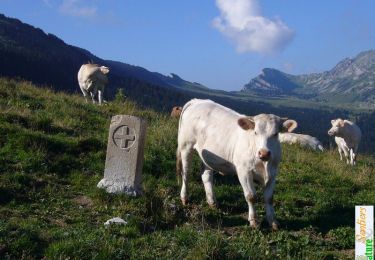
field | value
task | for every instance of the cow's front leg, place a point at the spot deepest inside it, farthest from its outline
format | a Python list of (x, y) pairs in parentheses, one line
[(340, 152), (207, 179), (268, 200), (246, 179)]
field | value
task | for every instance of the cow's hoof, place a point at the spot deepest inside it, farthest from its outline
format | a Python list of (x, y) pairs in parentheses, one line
[(212, 205), (275, 226), (254, 224), (184, 201)]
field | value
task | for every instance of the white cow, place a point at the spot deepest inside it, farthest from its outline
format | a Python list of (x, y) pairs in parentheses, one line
[(231, 143), (347, 137), (92, 79), (302, 140)]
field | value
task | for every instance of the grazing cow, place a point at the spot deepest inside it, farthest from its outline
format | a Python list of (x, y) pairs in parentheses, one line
[(231, 143), (302, 140), (176, 112), (347, 137), (92, 79)]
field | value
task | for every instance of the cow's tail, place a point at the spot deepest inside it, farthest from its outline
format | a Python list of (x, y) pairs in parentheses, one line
[(178, 166)]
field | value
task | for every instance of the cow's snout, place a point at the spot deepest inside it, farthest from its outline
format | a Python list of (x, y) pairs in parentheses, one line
[(264, 154), (330, 132)]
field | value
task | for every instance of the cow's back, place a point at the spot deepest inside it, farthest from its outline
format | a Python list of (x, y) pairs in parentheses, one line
[(212, 130), (355, 131), (199, 115)]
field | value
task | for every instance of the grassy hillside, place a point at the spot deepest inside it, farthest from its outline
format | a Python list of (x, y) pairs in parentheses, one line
[(52, 154)]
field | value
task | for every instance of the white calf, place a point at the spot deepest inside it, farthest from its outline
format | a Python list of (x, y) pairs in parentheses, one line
[(347, 137), (231, 143), (92, 79), (302, 140)]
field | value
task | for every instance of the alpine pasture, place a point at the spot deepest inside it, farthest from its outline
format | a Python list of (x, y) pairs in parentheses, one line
[(52, 154)]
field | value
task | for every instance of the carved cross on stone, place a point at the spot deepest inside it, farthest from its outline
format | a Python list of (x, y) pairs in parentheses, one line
[(123, 137)]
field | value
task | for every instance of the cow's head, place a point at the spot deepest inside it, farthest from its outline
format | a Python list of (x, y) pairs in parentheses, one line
[(337, 127), (176, 112), (265, 129)]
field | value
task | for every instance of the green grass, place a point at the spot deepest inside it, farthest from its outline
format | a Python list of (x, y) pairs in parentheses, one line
[(52, 154)]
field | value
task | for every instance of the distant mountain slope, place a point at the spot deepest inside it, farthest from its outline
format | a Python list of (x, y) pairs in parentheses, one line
[(29, 53), (351, 80), (272, 81)]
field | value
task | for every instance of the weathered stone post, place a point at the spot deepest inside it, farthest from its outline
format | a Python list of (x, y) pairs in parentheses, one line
[(124, 161)]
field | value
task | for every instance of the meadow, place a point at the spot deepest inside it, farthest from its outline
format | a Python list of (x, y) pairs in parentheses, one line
[(52, 155)]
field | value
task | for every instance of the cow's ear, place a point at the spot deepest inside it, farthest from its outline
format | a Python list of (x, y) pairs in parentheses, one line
[(333, 121), (289, 125), (246, 123), (104, 69)]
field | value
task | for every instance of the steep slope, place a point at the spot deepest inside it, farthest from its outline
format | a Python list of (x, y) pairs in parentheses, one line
[(29, 53), (351, 80)]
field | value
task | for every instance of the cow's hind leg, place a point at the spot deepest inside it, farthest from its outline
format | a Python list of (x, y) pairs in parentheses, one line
[(185, 157), (85, 94), (352, 157), (92, 97), (268, 200), (247, 183), (207, 179), (347, 154), (355, 150)]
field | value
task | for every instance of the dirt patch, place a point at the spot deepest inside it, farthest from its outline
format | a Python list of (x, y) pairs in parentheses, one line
[(59, 222), (83, 201)]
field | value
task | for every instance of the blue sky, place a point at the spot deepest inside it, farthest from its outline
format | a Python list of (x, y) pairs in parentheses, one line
[(219, 43)]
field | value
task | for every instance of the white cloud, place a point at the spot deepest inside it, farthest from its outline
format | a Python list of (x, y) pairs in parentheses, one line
[(242, 22), (77, 8)]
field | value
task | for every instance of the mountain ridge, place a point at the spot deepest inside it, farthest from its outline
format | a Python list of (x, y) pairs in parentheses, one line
[(351, 79), (29, 53)]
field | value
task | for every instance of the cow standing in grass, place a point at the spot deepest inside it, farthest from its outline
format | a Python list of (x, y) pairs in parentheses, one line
[(92, 80), (347, 137), (232, 143)]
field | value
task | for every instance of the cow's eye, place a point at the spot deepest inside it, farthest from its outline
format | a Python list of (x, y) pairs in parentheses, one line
[(255, 133)]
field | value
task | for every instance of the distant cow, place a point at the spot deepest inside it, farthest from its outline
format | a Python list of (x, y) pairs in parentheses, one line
[(347, 137), (92, 79), (302, 140), (231, 143), (176, 112)]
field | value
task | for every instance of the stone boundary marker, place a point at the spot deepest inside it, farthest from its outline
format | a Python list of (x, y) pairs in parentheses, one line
[(124, 160)]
